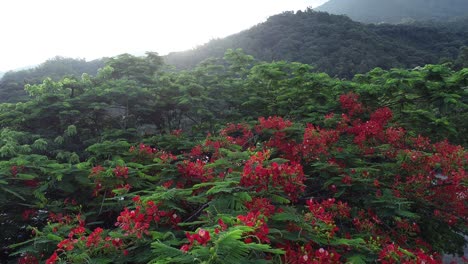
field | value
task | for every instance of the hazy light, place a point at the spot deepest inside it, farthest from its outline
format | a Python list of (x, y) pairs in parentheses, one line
[(33, 31)]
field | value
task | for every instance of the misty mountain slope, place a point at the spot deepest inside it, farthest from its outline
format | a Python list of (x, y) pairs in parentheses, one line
[(335, 44), (396, 11), (12, 82)]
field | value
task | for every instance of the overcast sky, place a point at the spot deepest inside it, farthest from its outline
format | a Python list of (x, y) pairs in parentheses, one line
[(35, 30)]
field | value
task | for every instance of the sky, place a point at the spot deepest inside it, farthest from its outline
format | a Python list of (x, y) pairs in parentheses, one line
[(33, 31)]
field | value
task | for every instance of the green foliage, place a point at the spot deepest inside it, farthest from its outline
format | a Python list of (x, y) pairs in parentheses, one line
[(13, 82), (86, 159), (395, 11)]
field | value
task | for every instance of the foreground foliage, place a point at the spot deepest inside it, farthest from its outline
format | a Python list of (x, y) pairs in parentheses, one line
[(142, 165), (356, 189)]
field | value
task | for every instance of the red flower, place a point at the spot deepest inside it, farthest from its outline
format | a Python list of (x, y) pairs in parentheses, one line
[(262, 205), (203, 236), (287, 176), (14, 172), (256, 221), (96, 170), (67, 244), (185, 248), (134, 222), (94, 238), (350, 103), (195, 170), (27, 214), (52, 259), (238, 134), (272, 122), (121, 171), (31, 183), (28, 259)]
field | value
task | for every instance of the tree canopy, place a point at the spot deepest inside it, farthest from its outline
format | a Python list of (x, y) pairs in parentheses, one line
[(233, 161)]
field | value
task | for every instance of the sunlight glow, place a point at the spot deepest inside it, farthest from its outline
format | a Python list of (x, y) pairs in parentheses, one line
[(33, 31)]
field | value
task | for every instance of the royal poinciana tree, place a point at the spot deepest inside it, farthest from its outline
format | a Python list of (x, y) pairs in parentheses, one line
[(356, 189)]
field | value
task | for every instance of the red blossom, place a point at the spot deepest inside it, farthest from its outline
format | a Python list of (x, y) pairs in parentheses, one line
[(262, 205), (52, 259), (121, 172), (318, 141), (28, 259), (94, 238), (296, 254), (31, 183), (177, 132), (133, 222), (238, 134), (202, 237), (195, 171), (96, 170), (256, 221), (287, 176), (351, 104), (14, 171), (67, 244), (28, 213), (273, 123)]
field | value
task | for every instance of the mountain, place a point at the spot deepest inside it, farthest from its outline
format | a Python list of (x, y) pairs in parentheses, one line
[(396, 11), (337, 45), (12, 82)]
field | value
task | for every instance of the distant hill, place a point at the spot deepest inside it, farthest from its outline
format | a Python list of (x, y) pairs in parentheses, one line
[(336, 44), (12, 82), (396, 11)]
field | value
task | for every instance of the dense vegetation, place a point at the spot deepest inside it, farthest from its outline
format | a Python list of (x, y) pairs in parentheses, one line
[(396, 11), (12, 83), (236, 161), (336, 45)]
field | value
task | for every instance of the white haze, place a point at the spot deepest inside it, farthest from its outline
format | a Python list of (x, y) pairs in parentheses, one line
[(33, 31)]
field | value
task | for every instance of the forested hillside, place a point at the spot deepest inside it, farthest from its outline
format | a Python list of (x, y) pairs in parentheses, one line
[(397, 11), (336, 45), (236, 161), (12, 83)]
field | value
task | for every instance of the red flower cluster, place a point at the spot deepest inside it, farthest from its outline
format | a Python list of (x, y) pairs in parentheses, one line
[(287, 176), (326, 212), (96, 170), (94, 238), (202, 237), (350, 103), (238, 134), (262, 205), (392, 254), (134, 222), (195, 171), (52, 259), (318, 141), (28, 213), (143, 150), (138, 221), (14, 171), (296, 254), (77, 239), (28, 259), (257, 221), (287, 148), (222, 225), (121, 172), (273, 123)]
